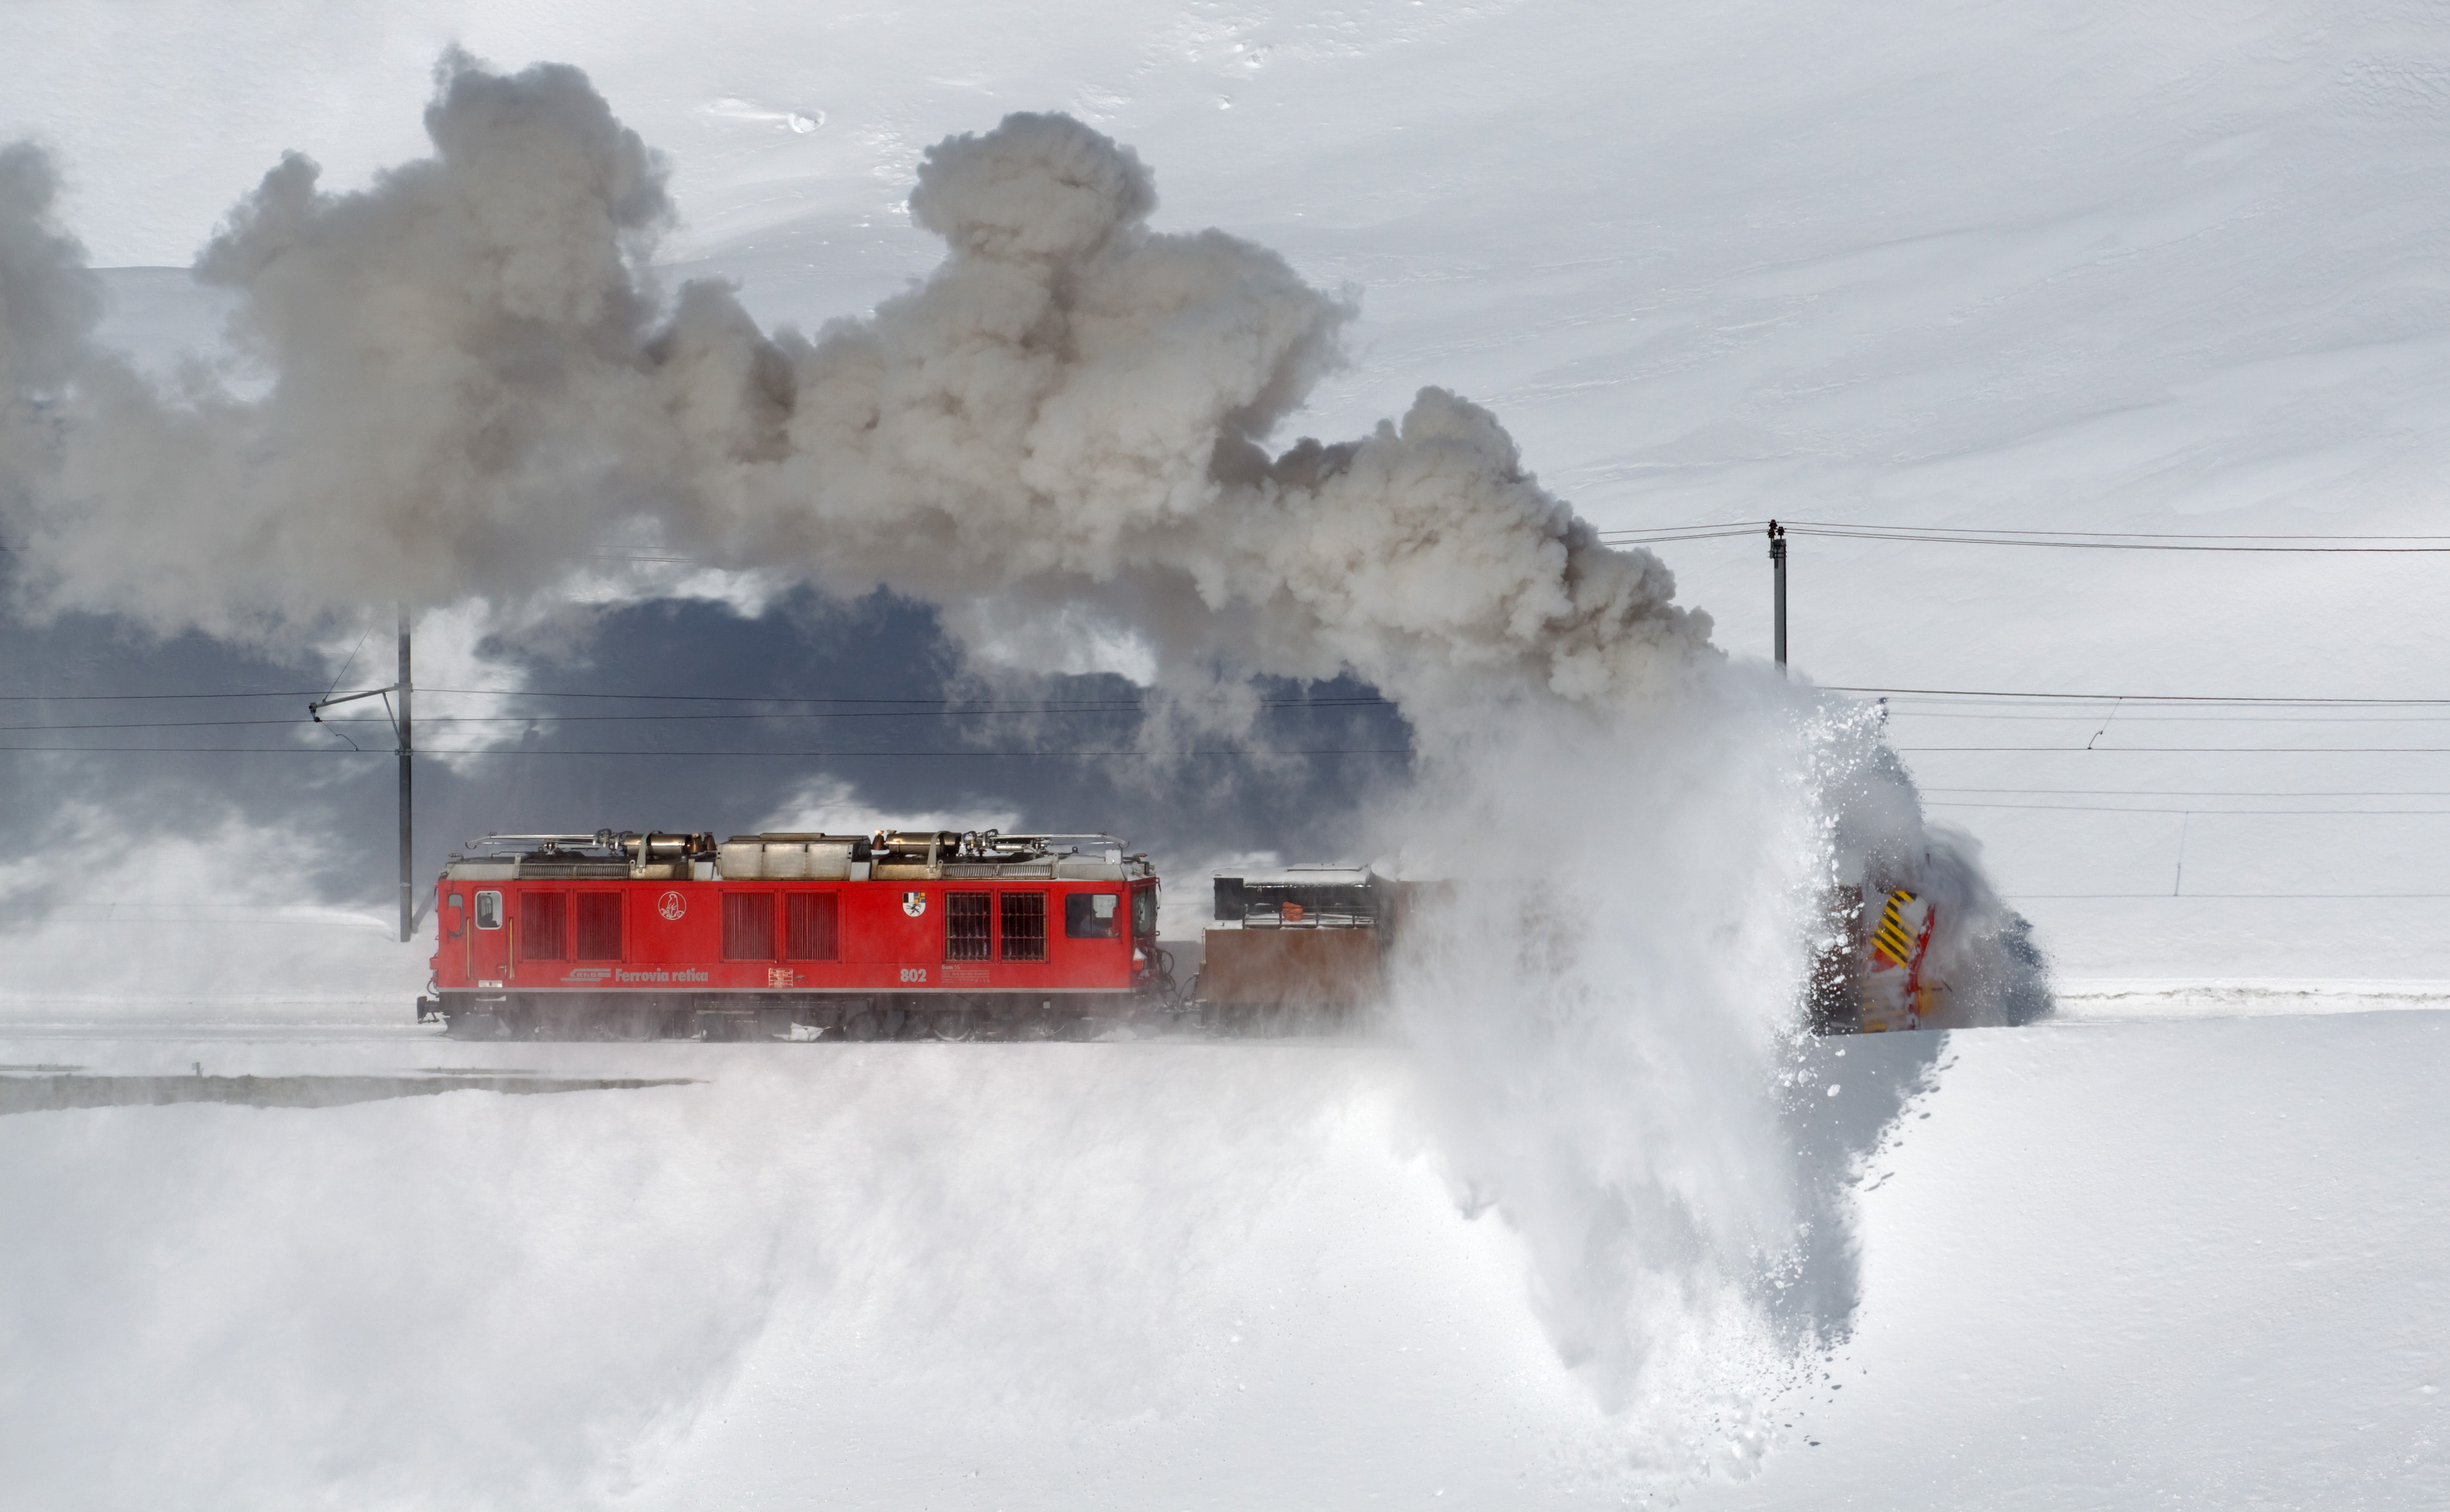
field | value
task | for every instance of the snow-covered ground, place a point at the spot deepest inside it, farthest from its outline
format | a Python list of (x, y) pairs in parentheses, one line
[(2113, 1265)]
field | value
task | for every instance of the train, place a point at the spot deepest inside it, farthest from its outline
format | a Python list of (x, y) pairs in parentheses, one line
[(963, 934), (891, 934)]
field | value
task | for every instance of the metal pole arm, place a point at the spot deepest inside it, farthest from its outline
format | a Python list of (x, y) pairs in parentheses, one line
[(315, 709)]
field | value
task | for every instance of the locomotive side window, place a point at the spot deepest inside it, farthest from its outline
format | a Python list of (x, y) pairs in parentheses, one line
[(488, 910), (1089, 915), (544, 935), (748, 926), (599, 927), (965, 926), (811, 926), (1025, 926), (1144, 913)]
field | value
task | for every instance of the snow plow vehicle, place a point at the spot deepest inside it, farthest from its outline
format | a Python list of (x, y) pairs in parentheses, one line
[(1873, 974)]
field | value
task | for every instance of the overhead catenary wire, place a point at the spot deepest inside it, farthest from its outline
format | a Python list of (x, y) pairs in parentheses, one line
[(1968, 534), (1336, 701), (589, 719), (1968, 538), (2079, 540), (2208, 792), (2148, 698), (981, 714), (1257, 753), (2231, 897), (2191, 808), (2122, 536), (2384, 717), (2190, 750)]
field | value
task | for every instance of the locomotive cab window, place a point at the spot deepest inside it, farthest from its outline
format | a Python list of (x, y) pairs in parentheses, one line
[(1144, 913), (1089, 915), (488, 910)]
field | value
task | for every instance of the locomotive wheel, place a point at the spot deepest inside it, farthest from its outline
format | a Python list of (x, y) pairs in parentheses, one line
[(881, 1023), (953, 1024)]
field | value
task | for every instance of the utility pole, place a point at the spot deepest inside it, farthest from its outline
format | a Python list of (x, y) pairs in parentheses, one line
[(1778, 577), (405, 686), (407, 753)]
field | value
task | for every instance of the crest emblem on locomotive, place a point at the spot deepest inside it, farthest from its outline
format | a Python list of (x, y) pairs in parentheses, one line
[(672, 906), (914, 903)]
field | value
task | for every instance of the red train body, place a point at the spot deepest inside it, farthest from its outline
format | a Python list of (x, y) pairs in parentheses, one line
[(887, 936)]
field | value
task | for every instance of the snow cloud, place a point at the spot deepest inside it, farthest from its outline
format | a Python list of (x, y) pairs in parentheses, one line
[(474, 382)]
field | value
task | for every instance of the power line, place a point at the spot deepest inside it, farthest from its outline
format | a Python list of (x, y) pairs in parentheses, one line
[(827, 755), (2127, 718), (2184, 896), (2198, 808), (1938, 539), (1020, 710), (2204, 792), (2081, 540), (1338, 701), (2198, 750), (2150, 698), (614, 719), (2109, 535), (129, 698)]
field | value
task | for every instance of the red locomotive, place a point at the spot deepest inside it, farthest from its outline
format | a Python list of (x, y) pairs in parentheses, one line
[(887, 936)]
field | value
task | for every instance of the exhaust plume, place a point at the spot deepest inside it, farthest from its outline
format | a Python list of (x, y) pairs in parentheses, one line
[(473, 383), (468, 380)]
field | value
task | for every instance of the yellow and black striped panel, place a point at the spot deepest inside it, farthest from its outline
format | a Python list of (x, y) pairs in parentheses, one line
[(1890, 941)]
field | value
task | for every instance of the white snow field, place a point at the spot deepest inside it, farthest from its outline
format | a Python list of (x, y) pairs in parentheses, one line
[(2133, 1265), (2087, 267)]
